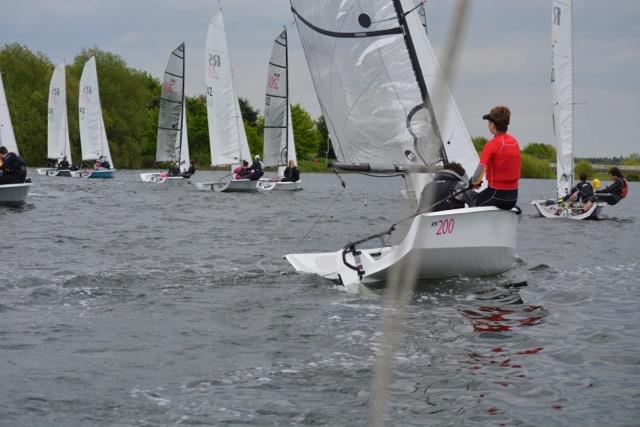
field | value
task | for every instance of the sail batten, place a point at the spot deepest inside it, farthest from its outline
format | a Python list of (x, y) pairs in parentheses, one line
[(93, 135), (368, 81), (562, 90)]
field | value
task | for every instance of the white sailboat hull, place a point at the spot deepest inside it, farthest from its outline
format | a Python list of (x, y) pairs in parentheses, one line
[(59, 172), (553, 210), (233, 186), (14, 194), (159, 177), (288, 186), (467, 242)]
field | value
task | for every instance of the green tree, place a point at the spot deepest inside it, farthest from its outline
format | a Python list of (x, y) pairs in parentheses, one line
[(541, 151), (324, 141), (249, 114), (305, 133), (197, 126), (533, 167), (583, 166), (479, 142)]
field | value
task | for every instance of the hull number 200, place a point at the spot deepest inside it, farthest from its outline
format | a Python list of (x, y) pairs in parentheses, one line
[(444, 226)]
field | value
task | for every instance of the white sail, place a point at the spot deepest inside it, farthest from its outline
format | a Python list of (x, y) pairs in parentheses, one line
[(456, 139), (171, 117), (276, 108), (58, 145), (227, 136), (371, 97), (93, 136), (562, 87), (291, 151), (7, 138), (183, 144)]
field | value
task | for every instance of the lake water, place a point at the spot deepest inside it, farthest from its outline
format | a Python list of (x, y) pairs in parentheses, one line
[(125, 303)]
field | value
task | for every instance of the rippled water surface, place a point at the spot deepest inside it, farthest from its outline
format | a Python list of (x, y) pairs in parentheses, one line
[(125, 303)]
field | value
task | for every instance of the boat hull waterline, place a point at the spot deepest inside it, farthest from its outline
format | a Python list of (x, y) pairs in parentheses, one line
[(14, 194), (556, 211), (100, 173), (468, 242)]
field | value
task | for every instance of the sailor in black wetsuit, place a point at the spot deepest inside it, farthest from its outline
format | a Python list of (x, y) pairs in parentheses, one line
[(14, 169), (613, 193), (190, 171), (174, 169), (446, 182), (256, 170), (291, 172), (63, 164), (581, 192)]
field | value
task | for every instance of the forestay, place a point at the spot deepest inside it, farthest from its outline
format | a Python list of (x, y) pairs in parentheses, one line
[(7, 138), (172, 141), (368, 80), (278, 135), (93, 136), (58, 145), (227, 137), (562, 87)]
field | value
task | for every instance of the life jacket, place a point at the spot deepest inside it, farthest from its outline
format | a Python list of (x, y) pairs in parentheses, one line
[(625, 189)]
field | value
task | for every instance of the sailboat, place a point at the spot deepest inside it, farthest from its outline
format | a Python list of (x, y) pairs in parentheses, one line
[(562, 89), (279, 146), (58, 145), (374, 70), (10, 194), (227, 137), (173, 141), (93, 136)]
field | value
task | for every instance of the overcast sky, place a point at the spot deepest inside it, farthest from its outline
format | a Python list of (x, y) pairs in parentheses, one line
[(505, 57)]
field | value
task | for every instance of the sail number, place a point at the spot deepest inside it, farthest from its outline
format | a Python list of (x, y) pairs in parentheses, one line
[(444, 226)]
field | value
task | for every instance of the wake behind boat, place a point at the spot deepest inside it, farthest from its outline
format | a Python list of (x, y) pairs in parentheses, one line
[(373, 75)]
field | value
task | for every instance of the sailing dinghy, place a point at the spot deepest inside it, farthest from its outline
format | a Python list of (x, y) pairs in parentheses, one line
[(227, 137), (279, 146), (58, 145), (562, 89), (370, 62), (173, 141), (10, 194), (93, 136)]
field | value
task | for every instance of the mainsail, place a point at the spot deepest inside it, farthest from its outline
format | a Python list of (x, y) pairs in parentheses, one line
[(562, 86), (227, 136), (93, 136), (278, 137), (7, 138), (172, 143), (58, 145), (367, 75)]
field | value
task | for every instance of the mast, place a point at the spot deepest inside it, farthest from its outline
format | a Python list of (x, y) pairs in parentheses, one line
[(286, 71), (183, 111), (415, 63)]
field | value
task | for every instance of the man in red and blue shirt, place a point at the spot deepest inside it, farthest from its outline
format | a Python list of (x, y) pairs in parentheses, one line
[(499, 162)]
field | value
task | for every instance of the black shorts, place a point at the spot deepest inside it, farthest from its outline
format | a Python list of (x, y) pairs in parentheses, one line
[(503, 199)]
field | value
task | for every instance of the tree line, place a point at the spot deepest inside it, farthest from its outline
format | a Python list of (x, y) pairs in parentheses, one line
[(130, 104)]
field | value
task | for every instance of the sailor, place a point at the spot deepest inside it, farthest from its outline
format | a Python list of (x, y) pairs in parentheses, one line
[(190, 171), (14, 169), (500, 162), (291, 172), (241, 171), (447, 190), (613, 193), (63, 164), (104, 163), (257, 170), (581, 192), (174, 170)]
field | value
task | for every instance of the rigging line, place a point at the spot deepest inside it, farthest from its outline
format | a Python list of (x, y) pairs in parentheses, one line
[(344, 187)]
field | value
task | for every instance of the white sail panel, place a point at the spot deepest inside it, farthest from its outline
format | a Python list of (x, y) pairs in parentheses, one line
[(58, 145), (93, 136), (170, 116), (562, 88), (455, 136), (291, 150), (227, 137), (184, 143), (7, 137), (360, 62), (276, 104)]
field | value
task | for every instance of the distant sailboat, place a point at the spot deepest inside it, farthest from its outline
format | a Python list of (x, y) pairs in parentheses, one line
[(173, 142), (562, 88), (227, 137), (58, 145), (10, 194), (279, 146), (93, 136)]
